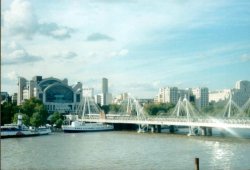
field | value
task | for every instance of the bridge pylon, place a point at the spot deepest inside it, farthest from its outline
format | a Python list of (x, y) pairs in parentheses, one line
[(185, 109), (131, 107), (88, 107)]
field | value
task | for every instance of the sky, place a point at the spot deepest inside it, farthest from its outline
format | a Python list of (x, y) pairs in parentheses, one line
[(139, 45)]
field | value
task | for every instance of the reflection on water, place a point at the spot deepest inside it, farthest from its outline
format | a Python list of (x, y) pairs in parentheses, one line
[(124, 150), (222, 153)]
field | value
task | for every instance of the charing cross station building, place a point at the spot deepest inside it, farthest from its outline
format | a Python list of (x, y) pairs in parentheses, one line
[(55, 94)]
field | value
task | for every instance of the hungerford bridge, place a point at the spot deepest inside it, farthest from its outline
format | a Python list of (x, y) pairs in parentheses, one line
[(184, 114)]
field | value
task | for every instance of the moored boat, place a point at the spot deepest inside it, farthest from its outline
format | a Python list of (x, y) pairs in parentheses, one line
[(87, 108), (80, 126), (20, 130)]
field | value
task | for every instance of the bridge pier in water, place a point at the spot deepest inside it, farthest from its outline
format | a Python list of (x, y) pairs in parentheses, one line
[(206, 131), (156, 128), (152, 128), (203, 131), (209, 131), (171, 128)]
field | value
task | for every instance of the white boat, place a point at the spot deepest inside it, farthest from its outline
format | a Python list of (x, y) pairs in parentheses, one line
[(20, 130), (87, 108), (79, 126)]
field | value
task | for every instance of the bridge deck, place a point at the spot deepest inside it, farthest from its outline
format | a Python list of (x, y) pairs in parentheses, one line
[(201, 122)]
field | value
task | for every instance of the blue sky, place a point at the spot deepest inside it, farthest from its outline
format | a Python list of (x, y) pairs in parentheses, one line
[(139, 45)]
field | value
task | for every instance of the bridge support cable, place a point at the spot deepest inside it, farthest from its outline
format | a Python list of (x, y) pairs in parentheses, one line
[(88, 108), (186, 112), (132, 108), (232, 109)]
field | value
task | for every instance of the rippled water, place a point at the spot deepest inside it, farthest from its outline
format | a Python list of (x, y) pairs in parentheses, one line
[(124, 150)]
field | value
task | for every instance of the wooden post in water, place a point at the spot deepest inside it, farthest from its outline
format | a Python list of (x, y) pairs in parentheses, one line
[(196, 164)]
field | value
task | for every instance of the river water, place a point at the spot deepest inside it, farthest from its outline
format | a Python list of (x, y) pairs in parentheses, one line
[(116, 150)]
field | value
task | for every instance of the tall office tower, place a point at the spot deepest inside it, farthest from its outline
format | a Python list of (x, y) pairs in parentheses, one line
[(201, 97), (106, 97), (241, 93), (104, 85), (20, 87), (30, 84)]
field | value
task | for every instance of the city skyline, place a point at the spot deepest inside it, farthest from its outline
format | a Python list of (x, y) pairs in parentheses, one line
[(139, 46)]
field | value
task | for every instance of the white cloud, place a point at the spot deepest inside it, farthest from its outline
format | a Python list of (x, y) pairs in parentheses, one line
[(12, 75), (55, 31), (66, 55), (21, 21), (13, 53), (99, 37)]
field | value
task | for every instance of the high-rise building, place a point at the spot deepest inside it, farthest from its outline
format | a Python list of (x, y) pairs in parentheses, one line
[(241, 93), (106, 97), (173, 94), (105, 85), (201, 97), (21, 85), (168, 95), (56, 94)]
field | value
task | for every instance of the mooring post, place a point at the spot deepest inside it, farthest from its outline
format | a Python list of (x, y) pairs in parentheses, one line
[(197, 164)]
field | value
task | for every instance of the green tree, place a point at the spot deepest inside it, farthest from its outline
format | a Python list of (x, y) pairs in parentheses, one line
[(8, 110), (209, 109), (40, 108), (105, 108), (36, 120), (114, 107), (30, 106), (54, 117), (219, 108), (158, 108), (59, 123)]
